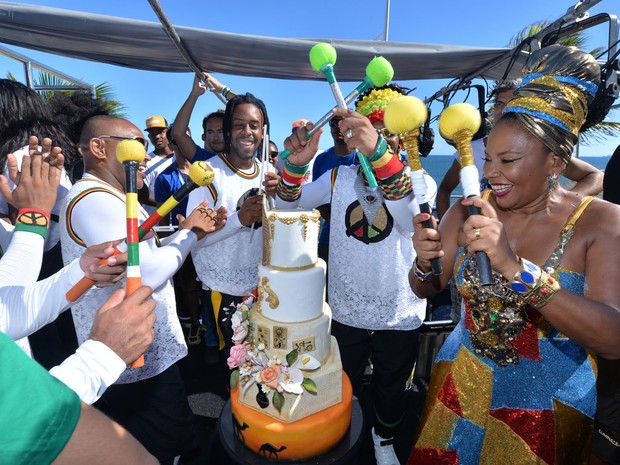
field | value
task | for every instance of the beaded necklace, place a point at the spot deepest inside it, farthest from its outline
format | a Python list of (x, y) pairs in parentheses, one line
[(497, 314)]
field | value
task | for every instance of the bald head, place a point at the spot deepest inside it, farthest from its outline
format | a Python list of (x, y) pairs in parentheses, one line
[(98, 141)]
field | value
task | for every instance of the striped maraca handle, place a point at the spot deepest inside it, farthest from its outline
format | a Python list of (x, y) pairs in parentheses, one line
[(131, 153)]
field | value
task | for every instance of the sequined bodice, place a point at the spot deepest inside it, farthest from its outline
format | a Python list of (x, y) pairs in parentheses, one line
[(494, 314)]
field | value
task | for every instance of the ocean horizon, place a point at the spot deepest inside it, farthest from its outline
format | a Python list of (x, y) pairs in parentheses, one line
[(437, 165)]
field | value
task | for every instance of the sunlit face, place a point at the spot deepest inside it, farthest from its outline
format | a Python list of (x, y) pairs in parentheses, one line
[(517, 165), (214, 136), (247, 131), (501, 101), (122, 129), (158, 138), (273, 153), (334, 128)]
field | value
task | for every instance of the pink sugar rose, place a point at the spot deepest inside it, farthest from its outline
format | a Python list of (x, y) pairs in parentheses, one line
[(270, 376), (238, 356)]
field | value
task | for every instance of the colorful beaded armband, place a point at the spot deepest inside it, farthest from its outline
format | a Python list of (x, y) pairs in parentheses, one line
[(396, 187), (380, 149), (535, 285), (33, 220)]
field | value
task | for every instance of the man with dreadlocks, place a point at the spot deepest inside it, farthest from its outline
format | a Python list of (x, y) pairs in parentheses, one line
[(227, 268), (375, 315)]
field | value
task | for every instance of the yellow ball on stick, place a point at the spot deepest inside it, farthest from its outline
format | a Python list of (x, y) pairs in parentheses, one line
[(458, 123), (130, 150), (404, 116)]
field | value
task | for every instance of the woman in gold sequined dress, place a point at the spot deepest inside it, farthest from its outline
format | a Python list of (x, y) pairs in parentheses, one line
[(515, 381)]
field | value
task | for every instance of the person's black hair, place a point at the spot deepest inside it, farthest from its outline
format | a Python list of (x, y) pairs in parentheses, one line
[(215, 114), (24, 113), (504, 86), (241, 99)]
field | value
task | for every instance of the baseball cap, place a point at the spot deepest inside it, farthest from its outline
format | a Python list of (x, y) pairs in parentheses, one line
[(156, 121), (300, 122)]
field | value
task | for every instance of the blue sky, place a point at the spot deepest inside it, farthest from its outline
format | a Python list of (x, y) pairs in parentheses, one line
[(480, 23)]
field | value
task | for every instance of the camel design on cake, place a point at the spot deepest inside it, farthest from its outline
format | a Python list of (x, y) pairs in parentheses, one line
[(238, 429), (269, 451)]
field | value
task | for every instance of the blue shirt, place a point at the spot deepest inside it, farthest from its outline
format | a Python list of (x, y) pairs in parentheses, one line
[(166, 184), (323, 163), (202, 154)]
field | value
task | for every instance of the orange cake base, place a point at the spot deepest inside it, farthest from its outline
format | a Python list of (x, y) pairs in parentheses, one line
[(299, 440)]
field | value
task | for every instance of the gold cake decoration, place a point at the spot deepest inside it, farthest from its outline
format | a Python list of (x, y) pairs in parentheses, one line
[(304, 345), (279, 337)]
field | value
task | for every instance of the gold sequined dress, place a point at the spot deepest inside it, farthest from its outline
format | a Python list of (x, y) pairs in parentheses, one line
[(507, 387)]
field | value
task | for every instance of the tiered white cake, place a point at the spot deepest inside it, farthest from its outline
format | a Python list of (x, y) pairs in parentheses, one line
[(290, 312)]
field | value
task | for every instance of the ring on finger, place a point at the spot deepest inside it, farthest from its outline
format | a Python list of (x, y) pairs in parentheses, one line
[(349, 133), (477, 233)]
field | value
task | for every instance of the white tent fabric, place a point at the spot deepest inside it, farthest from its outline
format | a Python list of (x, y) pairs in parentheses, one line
[(145, 45)]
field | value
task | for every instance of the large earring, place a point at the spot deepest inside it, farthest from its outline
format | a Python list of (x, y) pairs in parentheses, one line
[(552, 182)]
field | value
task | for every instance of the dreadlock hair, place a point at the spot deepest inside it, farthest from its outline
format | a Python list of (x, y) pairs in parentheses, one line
[(24, 113), (240, 99)]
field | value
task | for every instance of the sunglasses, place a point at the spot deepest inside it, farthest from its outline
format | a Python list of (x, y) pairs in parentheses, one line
[(144, 142), (273, 154), (334, 122), (385, 133)]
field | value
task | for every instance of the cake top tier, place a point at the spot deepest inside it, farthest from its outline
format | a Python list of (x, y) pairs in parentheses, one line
[(290, 238)]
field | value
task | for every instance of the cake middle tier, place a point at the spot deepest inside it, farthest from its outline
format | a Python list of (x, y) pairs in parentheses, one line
[(310, 337), (291, 296)]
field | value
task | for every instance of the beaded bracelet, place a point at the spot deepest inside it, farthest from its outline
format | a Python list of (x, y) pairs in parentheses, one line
[(423, 276), (535, 285), (380, 148), (33, 220)]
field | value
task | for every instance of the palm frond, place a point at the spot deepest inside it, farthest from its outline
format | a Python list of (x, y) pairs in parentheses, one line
[(600, 132)]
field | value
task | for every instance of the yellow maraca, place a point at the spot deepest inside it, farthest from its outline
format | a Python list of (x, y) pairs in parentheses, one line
[(404, 116), (458, 123)]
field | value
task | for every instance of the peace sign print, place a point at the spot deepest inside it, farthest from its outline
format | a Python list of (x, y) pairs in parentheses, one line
[(357, 226), (33, 218)]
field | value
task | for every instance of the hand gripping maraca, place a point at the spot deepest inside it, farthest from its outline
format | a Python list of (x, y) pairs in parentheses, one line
[(200, 175), (322, 59), (404, 116), (458, 123), (378, 73)]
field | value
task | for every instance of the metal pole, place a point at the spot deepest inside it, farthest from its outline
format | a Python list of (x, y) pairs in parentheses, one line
[(178, 43), (386, 28)]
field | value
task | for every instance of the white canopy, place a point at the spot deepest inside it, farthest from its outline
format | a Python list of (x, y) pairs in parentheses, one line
[(145, 45)]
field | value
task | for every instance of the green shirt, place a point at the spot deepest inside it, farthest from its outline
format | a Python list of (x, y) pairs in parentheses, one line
[(38, 413)]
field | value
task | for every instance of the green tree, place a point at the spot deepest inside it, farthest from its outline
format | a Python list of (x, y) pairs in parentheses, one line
[(103, 92), (600, 131)]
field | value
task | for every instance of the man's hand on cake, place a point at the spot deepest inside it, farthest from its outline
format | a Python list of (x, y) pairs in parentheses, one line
[(203, 220), (270, 183), (302, 149), (251, 211)]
